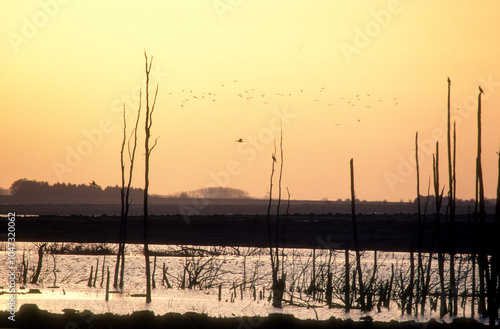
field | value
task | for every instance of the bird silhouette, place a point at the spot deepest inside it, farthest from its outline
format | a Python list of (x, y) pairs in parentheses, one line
[(274, 159), (481, 90), (93, 183), (449, 81), (239, 140)]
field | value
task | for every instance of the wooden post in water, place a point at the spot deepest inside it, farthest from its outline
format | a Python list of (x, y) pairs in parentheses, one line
[(347, 283), (329, 290), (356, 242), (153, 274), (89, 283), (102, 275), (96, 272), (107, 286)]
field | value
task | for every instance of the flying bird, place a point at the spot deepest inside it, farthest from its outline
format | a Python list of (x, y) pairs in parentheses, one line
[(239, 140), (93, 183)]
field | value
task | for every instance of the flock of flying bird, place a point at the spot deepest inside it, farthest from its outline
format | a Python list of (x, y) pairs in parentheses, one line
[(234, 90), (251, 95)]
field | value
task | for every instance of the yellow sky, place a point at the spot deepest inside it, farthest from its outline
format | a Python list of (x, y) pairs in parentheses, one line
[(349, 79)]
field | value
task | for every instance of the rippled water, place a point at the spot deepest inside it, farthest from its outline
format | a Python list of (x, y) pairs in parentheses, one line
[(228, 270)]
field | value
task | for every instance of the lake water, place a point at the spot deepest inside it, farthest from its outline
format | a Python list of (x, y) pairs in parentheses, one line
[(239, 272)]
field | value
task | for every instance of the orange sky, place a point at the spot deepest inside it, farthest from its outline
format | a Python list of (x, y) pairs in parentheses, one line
[(348, 79)]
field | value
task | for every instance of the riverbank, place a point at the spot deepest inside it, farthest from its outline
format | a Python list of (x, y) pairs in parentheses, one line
[(30, 316)]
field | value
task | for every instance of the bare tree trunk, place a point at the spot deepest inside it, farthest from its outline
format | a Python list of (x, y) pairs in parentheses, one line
[(426, 279), (419, 231), (268, 221), (451, 205), (410, 287), (482, 258), (356, 242), (41, 250), (122, 202), (495, 261), (347, 292), (279, 201), (125, 192), (439, 197), (148, 149)]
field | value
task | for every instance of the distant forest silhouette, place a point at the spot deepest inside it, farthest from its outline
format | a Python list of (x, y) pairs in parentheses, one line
[(24, 188)]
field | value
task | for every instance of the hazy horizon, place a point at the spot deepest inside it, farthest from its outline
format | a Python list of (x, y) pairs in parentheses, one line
[(348, 80)]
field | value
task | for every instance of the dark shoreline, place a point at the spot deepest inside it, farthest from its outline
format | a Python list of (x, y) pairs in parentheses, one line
[(30, 316), (381, 232)]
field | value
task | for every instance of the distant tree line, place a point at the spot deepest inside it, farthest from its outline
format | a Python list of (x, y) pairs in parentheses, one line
[(24, 188), (215, 192)]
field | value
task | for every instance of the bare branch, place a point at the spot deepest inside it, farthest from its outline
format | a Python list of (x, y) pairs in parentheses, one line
[(152, 147), (153, 108)]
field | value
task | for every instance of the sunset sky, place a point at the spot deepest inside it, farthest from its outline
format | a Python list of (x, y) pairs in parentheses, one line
[(348, 79)]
